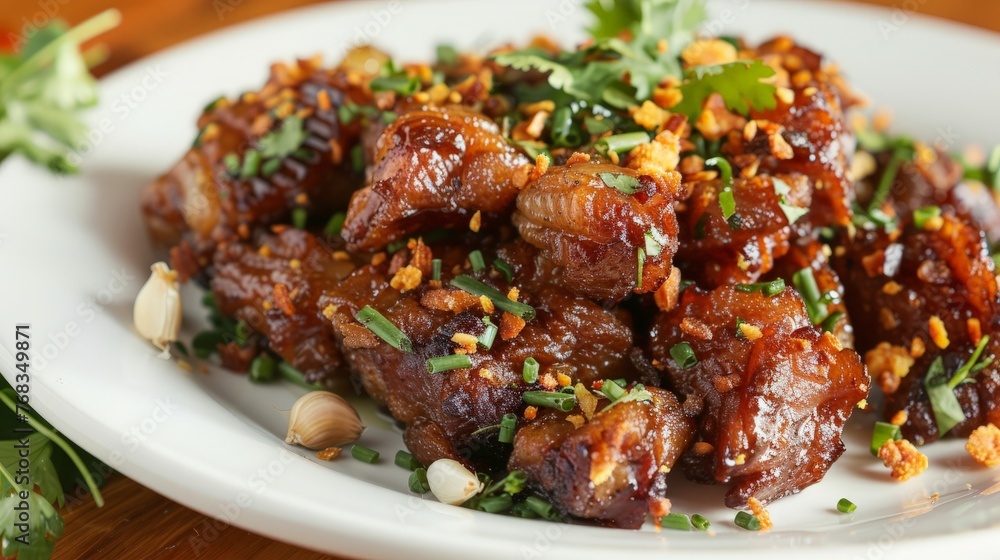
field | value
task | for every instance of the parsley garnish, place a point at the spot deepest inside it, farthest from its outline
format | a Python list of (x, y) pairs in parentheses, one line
[(627, 184), (282, 142), (739, 84)]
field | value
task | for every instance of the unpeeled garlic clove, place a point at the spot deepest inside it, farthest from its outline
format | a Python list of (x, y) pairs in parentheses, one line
[(322, 419), (157, 311), (452, 483)]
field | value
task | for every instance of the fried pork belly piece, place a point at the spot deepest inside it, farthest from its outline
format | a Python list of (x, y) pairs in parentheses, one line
[(593, 232), (776, 391), (572, 338), (435, 168), (610, 468), (717, 252), (931, 292), (217, 194), (806, 252), (273, 285)]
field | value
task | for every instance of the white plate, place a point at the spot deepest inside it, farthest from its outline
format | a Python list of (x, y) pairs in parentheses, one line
[(74, 254)]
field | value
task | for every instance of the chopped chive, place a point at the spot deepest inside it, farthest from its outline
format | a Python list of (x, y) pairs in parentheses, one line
[(725, 170), (805, 282), (504, 268), (640, 264), (489, 334), (700, 522), (262, 369), (204, 343), (620, 381), (560, 401), (477, 288), (746, 521), (436, 269), (625, 184), (507, 426), (299, 218), (899, 155), (846, 506), (727, 200), (771, 288), (335, 224), (364, 454), (477, 261), (882, 433), (447, 363), (418, 481), (251, 164), (383, 328), (831, 322), (612, 390), (292, 375), (968, 367), (683, 355), (232, 162), (270, 167), (676, 521), (406, 460), (530, 370), (922, 215), (522, 510), (621, 144), (495, 504), (541, 508)]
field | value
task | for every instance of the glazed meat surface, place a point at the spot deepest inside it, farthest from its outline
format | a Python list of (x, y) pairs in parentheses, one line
[(435, 168), (593, 232), (776, 396), (609, 468)]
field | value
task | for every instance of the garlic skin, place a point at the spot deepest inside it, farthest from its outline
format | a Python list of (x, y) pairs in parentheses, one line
[(322, 419), (452, 483), (157, 310)]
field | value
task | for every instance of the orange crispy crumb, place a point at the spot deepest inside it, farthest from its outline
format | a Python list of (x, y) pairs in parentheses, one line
[(476, 221), (447, 300), (900, 418), (510, 326), (378, 258), (667, 294), (891, 288), (917, 347), (696, 329), (329, 454), (329, 310), (578, 157), (975, 330), (984, 445), (264, 251), (530, 413), (548, 381), (467, 344), (903, 458), (563, 380), (541, 166), (487, 305), (760, 513), (750, 332), (406, 278), (703, 448), (586, 399), (938, 333), (513, 294), (266, 306), (282, 300), (341, 256), (323, 100), (295, 264)]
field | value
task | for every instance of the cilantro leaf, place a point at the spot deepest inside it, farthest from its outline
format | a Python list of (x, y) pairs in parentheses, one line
[(647, 21), (739, 84), (626, 184), (792, 212), (282, 142)]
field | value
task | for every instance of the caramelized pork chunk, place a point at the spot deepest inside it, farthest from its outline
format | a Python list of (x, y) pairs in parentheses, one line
[(609, 230), (609, 466), (435, 168), (776, 390)]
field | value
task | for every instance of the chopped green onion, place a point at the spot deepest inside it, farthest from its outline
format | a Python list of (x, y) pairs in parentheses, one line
[(637, 394), (746, 521), (560, 401), (383, 328), (621, 144), (389, 117), (292, 375), (448, 363), (406, 460), (805, 283), (625, 184), (968, 367), (489, 334), (771, 288), (922, 215), (792, 213), (739, 331), (542, 508), (640, 264), (476, 260), (530, 370), (683, 355), (495, 504), (335, 224), (299, 218), (400, 83), (947, 410), (507, 426), (357, 158), (477, 288), (418, 481), (364, 454), (262, 369), (727, 200), (270, 167), (504, 268), (831, 322), (564, 133), (251, 164), (846, 506), (700, 522), (598, 126), (522, 510), (612, 390), (900, 154), (436, 269), (232, 162), (676, 521), (882, 433), (205, 343)]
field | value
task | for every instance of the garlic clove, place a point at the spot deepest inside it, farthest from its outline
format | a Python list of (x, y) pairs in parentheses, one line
[(322, 419), (157, 311), (452, 483)]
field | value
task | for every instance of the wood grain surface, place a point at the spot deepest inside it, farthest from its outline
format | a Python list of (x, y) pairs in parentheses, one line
[(136, 523)]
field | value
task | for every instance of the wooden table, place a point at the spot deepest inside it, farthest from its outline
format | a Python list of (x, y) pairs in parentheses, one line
[(137, 523)]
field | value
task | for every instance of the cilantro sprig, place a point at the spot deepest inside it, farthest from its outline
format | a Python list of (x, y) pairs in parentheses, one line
[(42, 89)]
